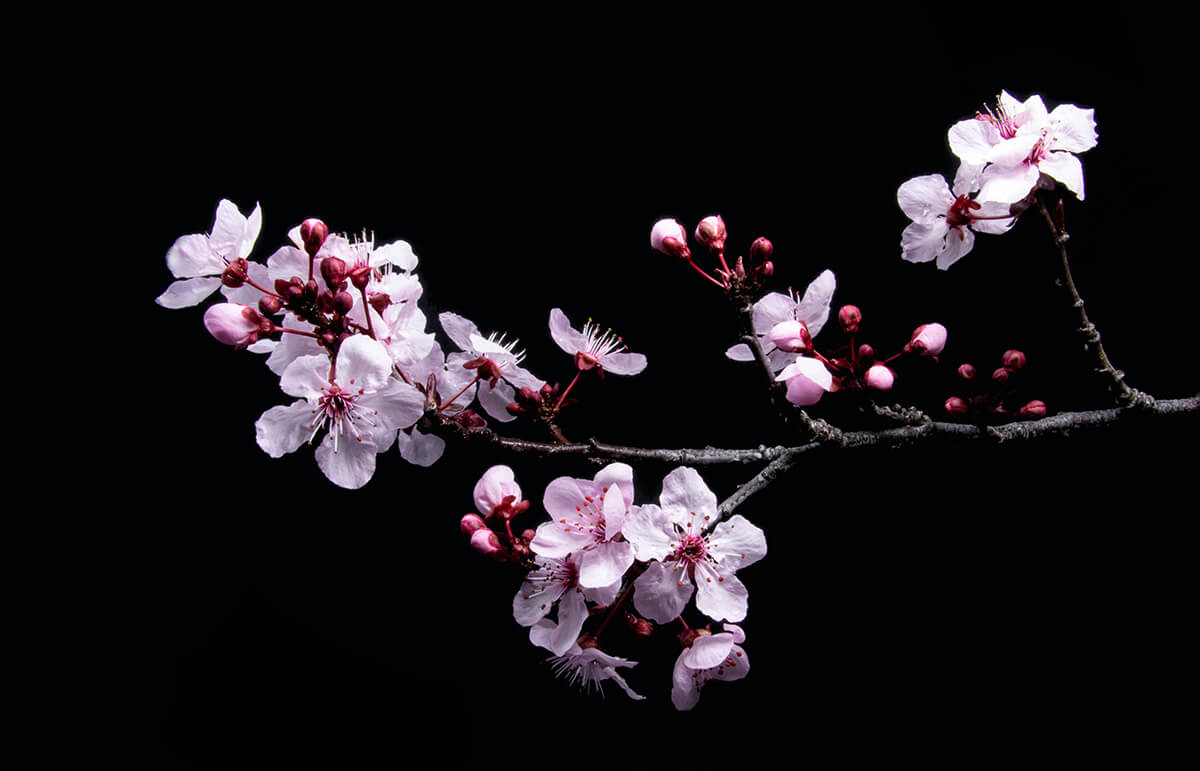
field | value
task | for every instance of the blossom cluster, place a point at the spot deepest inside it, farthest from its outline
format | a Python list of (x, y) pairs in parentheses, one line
[(598, 547), (338, 321), (1006, 154)]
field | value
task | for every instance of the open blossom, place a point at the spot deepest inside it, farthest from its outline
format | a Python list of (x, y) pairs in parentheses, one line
[(943, 224), (775, 308), (359, 405), (586, 667), (199, 259), (685, 557), (710, 657), (495, 394), (586, 517), (1005, 150), (554, 584), (593, 349)]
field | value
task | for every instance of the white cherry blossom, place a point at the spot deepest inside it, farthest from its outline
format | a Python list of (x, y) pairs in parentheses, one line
[(593, 348), (586, 517), (199, 259), (774, 308), (494, 397), (685, 556), (943, 224), (710, 657), (359, 406), (554, 584)]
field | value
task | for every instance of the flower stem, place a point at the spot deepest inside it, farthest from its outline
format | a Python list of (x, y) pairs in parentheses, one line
[(562, 397), (612, 611), (701, 271), (461, 391)]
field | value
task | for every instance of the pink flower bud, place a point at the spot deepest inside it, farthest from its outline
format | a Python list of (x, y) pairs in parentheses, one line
[(927, 340), (269, 304), (850, 317), (791, 336), (485, 541), (1013, 359), (711, 232), (333, 270), (1034, 409), (956, 405), (807, 381), (880, 378), (470, 523), (761, 251), (668, 236), (966, 372), (495, 489), (866, 353), (1000, 375), (233, 324), (313, 233)]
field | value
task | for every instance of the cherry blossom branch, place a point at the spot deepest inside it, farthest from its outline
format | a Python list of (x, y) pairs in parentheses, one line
[(1125, 394)]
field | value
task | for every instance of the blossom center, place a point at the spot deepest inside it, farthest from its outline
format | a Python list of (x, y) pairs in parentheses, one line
[(589, 517), (959, 213), (1001, 120), (599, 344), (337, 409), (692, 549)]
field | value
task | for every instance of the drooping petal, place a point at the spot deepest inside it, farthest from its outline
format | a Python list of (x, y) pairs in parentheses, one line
[(420, 449), (813, 308), (1065, 168), (708, 650), (959, 241), (192, 255), (687, 500), (720, 595), (495, 400), (570, 340), (534, 600), (572, 612), (737, 542), (807, 381), (661, 592), (604, 563), (740, 352), (283, 429), (924, 198), (351, 465), (922, 242), (685, 685), (188, 292), (623, 363)]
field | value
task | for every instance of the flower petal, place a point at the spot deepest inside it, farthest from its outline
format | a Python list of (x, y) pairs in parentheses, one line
[(191, 256), (188, 292), (623, 363), (661, 592), (737, 542), (720, 595), (363, 363), (420, 449), (283, 429), (570, 340), (813, 308), (925, 198), (604, 564), (350, 466), (650, 531), (685, 497)]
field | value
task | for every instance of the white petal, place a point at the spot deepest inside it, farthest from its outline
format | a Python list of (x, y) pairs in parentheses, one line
[(687, 500), (813, 308), (719, 595), (306, 376), (228, 230), (283, 429), (188, 292), (398, 253), (556, 540), (740, 352), (924, 198), (495, 400), (459, 330), (737, 542), (959, 241), (420, 449), (966, 179), (399, 405), (650, 531), (531, 603), (623, 363), (922, 242), (604, 564), (708, 651), (619, 474), (287, 261), (771, 309), (1067, 169), (193, 256), (572, 612), (570, 340), (685, 685), (352, 465), (1072, 129), (363, 363), (661, 592), (972, 140), (1007, 185)]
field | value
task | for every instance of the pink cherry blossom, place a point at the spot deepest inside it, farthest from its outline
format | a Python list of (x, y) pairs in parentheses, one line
[(669, 237), (359, 405), (928, 340), (685, 557), (586, 517), (553, 584), (710, 657), (807, 381), (776, 308), (943, 225), (586, 667), (198, 260), (591, 348)]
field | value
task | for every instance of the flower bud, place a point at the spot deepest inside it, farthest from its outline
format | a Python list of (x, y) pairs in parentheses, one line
[(927, 340), (791, 336), (233, 324), (1013, 359), (333, 270), (957, 406), (880, 378), (1034, 409), (850, 317), (360, 276), (711, 232), (866, 353), (235, 273), (497, 487), (766, 270), (470, 523), (807, 381), (667, 236), (640, 626), (1000, 375), (269, 304), (761, 251), (343, 302), (313, 233), (485, 541), (966, 372)]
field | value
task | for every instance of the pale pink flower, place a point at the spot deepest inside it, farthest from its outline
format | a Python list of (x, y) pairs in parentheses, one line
[(493, 396), (807, 381), (587, 668), (586, 517), (710, 657), (591, 348), (685, 556), (927, 340), (943, 225), (360, 406), (775, 308), (233, 324), (554, 584), (669, 237), (199, 259), (880, 378)]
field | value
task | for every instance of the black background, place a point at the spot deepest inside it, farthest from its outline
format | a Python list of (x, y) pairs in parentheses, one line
[(1020, 606)]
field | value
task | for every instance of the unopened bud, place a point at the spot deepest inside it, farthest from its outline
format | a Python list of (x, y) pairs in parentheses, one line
[(791, 336), (313, 233), (761, 251), (880, 378), (485, 541), (966, 372), (1034, 409), (1000, 375), (380, 302), (343, 302), (927, 340), (470, 523), (235, 273), (640, 626), (866, 353), (269, 304), (1013, 359), (849, 317), (360, 276), (766, 270), (233, 324), (668, 236), (711, 232), (957, 406), (514, 408), (333, 270)]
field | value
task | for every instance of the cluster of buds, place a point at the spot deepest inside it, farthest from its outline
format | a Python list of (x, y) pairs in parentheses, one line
[(544, 403), (996, 395), (498, 501), (670, 238)]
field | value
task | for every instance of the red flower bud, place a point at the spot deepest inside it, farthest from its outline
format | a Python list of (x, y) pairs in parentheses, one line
[(957, 406), (761, 251), (470, 523), (1013, 359), (313, 233), (966, 372), (1034, 409), (333, 270), (849, 317)]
